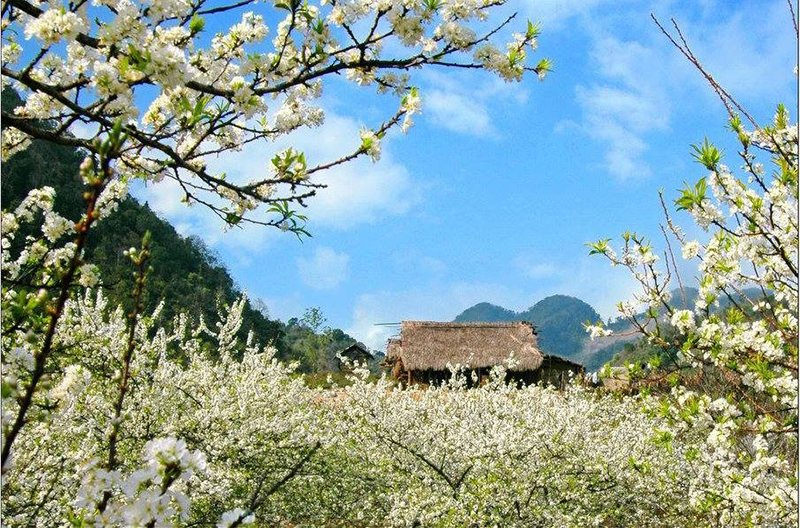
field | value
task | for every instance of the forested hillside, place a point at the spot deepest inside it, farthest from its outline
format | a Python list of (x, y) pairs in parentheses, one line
[(486, 312), (559, 323), (560, 319), (186, 275)]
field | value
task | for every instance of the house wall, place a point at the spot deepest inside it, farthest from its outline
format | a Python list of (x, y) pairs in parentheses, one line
[(553, 371), (437, 377), (557, 373)]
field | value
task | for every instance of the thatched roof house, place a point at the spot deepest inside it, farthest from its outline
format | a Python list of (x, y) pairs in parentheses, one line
[(427, 345), (355, 352), (425, 350)]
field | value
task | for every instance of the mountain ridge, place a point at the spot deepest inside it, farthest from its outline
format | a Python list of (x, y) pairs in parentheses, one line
[(558, 320)]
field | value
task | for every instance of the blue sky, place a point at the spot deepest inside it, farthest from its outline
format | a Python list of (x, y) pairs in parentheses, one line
[(494, 192)]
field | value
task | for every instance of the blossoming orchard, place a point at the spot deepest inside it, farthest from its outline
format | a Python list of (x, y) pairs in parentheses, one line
[(110, 417)]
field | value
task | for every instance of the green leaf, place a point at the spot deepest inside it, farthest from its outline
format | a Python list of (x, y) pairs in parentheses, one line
[(196, 24), (544, 67), (599, 247), (533, 30), (735, 124), (692, 197), (663, 439), (781, 117), (707, 154)]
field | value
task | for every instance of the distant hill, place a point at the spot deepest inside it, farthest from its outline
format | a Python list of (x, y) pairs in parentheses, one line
[(186, 274), (623, 352), (486, 312), (559, 319)]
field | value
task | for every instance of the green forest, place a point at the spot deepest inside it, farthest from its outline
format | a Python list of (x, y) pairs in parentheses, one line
[(185, 271)]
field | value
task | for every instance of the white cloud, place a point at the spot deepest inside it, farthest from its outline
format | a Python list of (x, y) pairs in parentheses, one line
[(460, 102), (636, 110), (358, 192), (83, 130), (596, 282), (554, 14), (164, 198), (592, 280), (362, 192), (325, 269), (441, 302), (624, 156), (414, 260), (534, 268), (196, 220), (458, 113), (640, 82), (283, 307), (752, 53), (625, 105)]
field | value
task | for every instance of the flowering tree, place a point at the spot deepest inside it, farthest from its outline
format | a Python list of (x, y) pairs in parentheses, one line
[(94, 64), (103, 424), (229, 442), (741, 349), (163, 98)]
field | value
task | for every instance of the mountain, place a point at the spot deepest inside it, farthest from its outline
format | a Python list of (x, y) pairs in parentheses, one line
[(186, 274), (558, 320), (625, 352), (486, 312)]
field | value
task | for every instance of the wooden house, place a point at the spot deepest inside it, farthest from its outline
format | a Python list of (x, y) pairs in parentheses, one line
[(425, 349), (355, 352), (558, 371)]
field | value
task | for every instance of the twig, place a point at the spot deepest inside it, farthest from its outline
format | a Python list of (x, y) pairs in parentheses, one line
[(141, 260), (794, 17), (726, 98), (96, 186)]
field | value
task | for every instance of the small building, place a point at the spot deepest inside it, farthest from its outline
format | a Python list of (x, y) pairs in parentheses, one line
[(558, 371), (425, 350), (357, 352)]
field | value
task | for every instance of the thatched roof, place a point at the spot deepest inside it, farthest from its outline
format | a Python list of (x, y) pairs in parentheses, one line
[(393, 348), (356, 351), (426, 345)]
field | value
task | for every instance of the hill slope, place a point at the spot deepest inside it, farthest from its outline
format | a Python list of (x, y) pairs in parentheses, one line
[(559, 323), (186, 275), (486, 312), (559, 320)]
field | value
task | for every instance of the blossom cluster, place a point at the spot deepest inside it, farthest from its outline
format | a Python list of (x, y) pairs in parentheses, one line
[(224, 434), (238, 438), (230, 436), (739, 346), (206, 93)]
